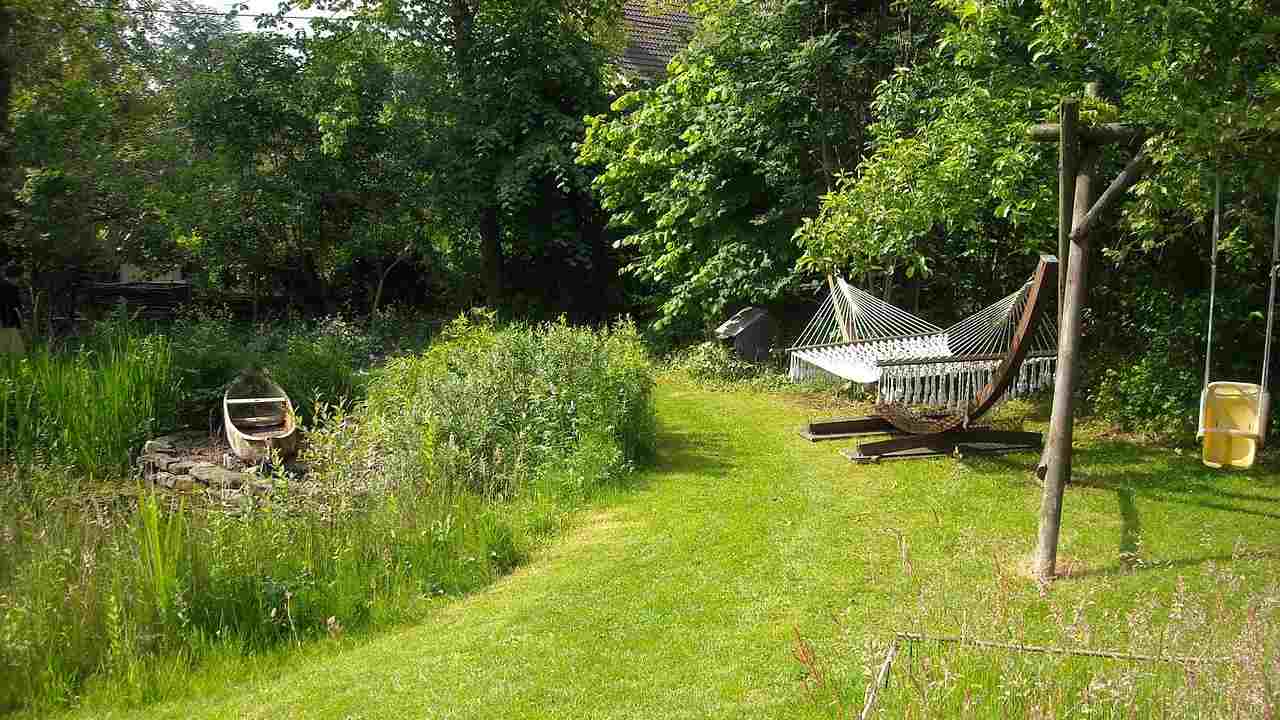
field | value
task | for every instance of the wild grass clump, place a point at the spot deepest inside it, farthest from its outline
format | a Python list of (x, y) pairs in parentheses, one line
[(460, 461), (715, 366), (712, 362), (1209, 647), (1194, 655), (89, 408)]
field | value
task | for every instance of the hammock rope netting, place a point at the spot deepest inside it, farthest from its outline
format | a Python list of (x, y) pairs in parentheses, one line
[(914, 362)]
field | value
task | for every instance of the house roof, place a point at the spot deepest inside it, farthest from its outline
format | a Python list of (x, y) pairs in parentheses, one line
[(653, 37)]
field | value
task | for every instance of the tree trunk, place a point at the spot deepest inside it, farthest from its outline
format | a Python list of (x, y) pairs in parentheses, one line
[(462, 16), (382, 280), (491, 256)]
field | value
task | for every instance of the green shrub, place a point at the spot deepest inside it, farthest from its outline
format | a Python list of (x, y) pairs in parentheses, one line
[(1157, 390), (712, 362), (312, 360), (1149, 394), (487, 408), (320, 363), (714, 365)]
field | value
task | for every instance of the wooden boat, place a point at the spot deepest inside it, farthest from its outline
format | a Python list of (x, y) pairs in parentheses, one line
[(258, 417)]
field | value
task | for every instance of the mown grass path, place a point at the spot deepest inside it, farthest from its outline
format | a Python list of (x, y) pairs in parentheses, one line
[(682, 598)]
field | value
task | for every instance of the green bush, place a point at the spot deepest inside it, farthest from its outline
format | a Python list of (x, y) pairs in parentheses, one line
[(312, 360), (712, 362), (319, 363), (714, 365), (485, 409), (1150, 394), (1157, 391)]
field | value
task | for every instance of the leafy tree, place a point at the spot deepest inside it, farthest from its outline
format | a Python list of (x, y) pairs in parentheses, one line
[(953, 179), (709, 173), (313, 178), (497, 94), (84, 137)]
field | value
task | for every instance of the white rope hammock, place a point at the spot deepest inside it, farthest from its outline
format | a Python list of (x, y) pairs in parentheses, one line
[(913, 361)]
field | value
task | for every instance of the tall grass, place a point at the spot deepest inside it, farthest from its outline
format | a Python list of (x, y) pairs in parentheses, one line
[(89, 409), (461, 460), (1210, 648), (494, 408)]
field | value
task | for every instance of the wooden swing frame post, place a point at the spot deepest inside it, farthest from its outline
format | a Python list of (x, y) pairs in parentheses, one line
[(1079, 150)]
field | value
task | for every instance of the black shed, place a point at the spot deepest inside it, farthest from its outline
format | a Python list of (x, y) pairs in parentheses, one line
[(751, 333)]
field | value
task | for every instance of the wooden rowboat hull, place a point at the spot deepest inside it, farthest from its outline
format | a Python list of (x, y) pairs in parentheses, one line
[(258, 419)]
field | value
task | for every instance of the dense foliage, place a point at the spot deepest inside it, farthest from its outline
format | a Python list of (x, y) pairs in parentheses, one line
[(1207, 91), (708, 174), (953, 188), (392, 152)]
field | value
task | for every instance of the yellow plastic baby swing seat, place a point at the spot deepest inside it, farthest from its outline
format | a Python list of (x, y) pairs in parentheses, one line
[(1230, 414)]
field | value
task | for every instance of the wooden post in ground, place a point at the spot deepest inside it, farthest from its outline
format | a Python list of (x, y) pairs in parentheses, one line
[(1075, 185), (1057, 457), (1068, 150), (1085, 214)]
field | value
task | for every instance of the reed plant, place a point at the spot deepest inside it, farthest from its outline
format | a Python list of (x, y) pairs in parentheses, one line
[(90, 408)]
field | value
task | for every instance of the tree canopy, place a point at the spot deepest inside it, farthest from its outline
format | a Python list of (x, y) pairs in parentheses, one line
[(707, 174), (450, 152), (949, 156)]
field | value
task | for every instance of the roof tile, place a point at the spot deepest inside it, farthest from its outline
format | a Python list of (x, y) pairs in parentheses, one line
[(653, 38)]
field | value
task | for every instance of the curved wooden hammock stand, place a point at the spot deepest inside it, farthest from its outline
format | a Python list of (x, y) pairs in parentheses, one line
[(948, 433)]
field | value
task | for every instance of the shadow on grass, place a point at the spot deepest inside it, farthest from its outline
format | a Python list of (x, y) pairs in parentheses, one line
[(1128, 566), (1131, 526), (1137, 474), (681, 452), (1173, 483)]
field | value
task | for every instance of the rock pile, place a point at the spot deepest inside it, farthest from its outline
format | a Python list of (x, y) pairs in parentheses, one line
[(190, 461)]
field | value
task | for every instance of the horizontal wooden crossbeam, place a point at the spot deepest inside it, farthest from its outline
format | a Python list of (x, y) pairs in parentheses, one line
[(1095, 134)]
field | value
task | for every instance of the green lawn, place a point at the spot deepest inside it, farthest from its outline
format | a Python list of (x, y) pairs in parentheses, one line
[(684, 597)]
